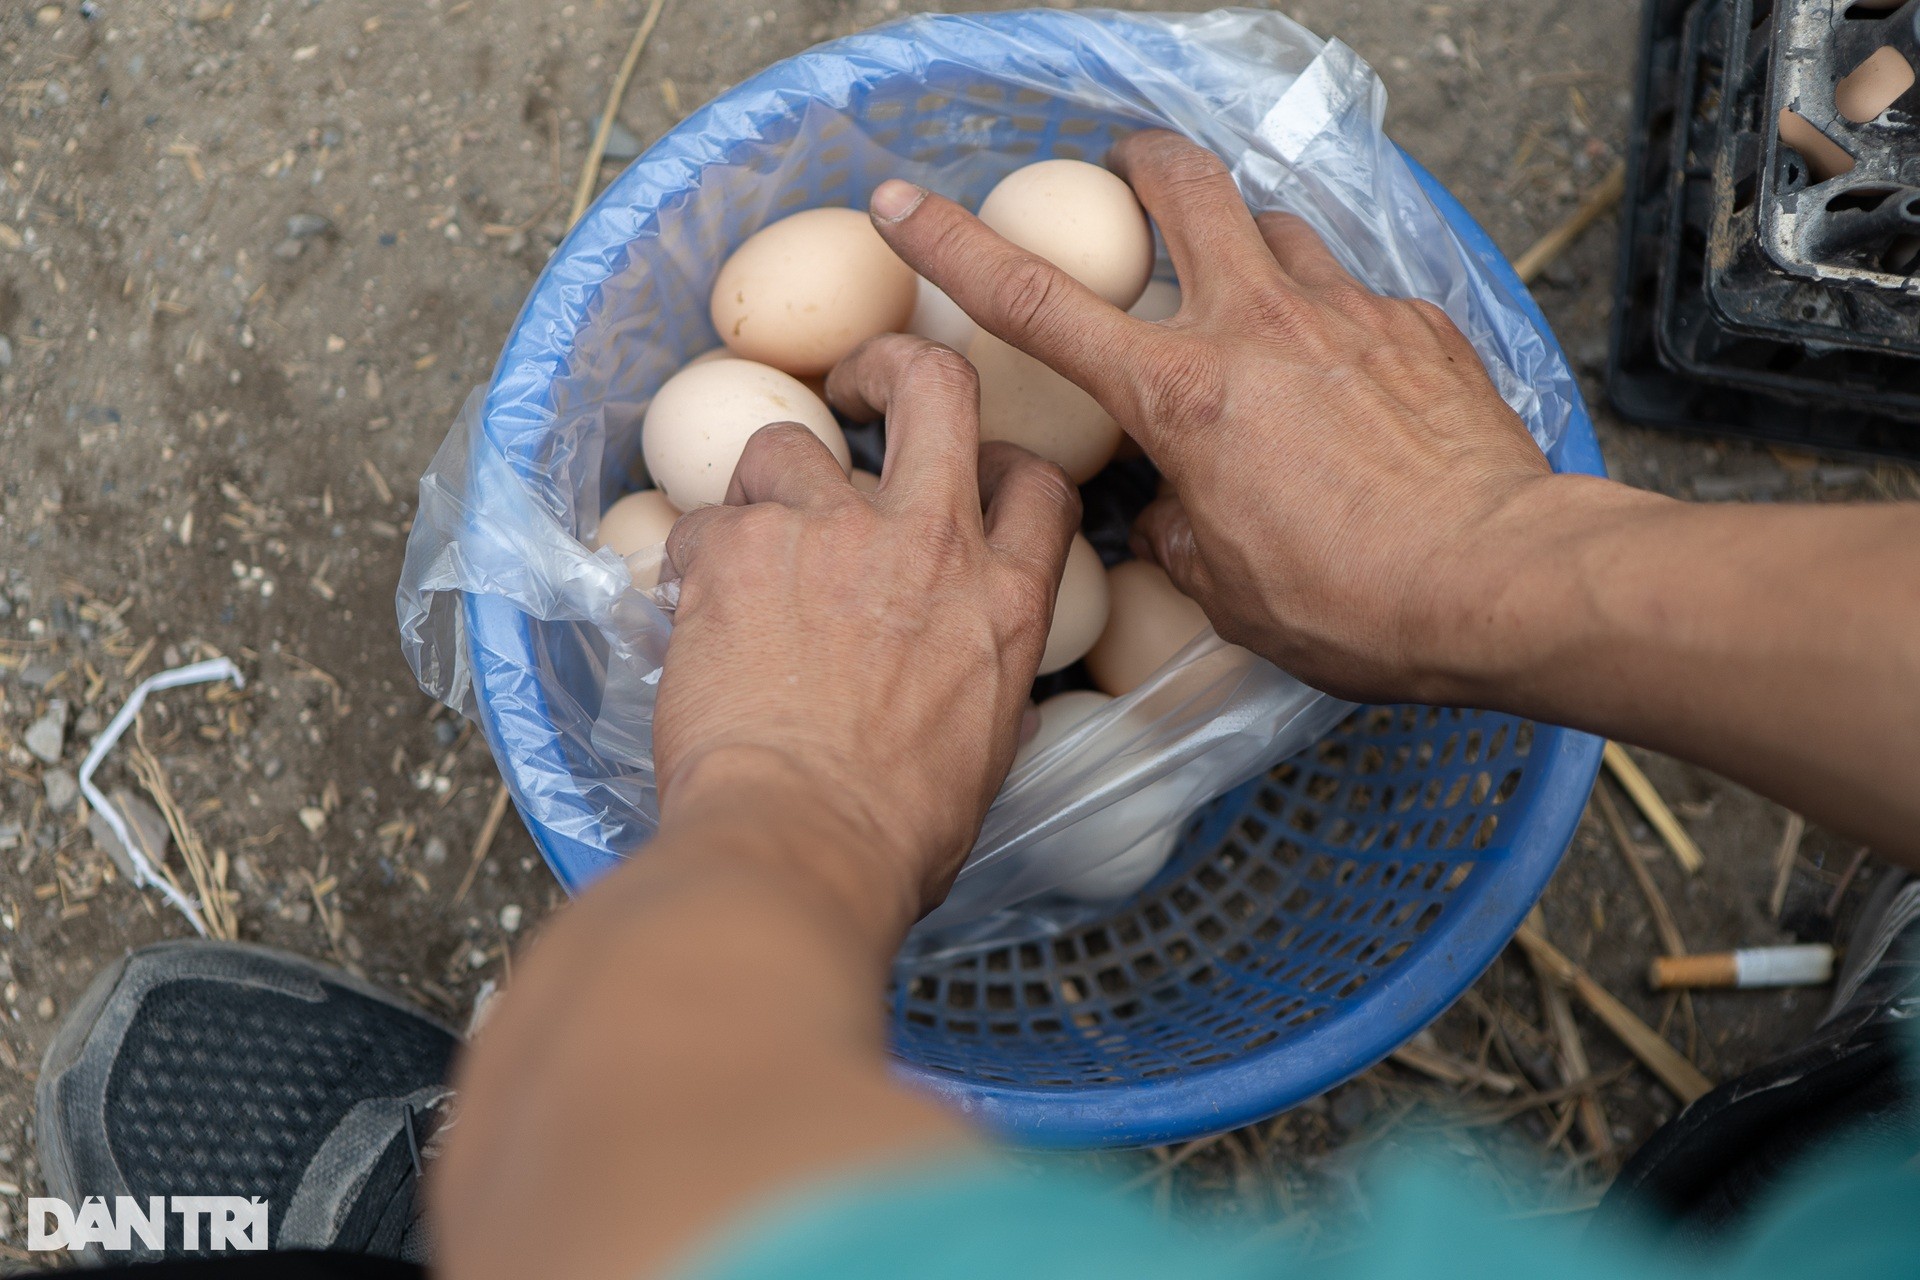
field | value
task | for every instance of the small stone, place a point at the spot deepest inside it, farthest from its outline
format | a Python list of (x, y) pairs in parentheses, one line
[(89, 722), (434, 851), (300, 912), (1351, 1108), (445, 732), (273, 768), (6, 354), (45, 1008), (314, 819), (1589, 353), (483, 1001), (476, 958), (305, 226), (621, 144), (144, 824), (9, 836), (510, 918), (289, 249), (47, 736), (62, 789), (1444, 46), (57, 93)]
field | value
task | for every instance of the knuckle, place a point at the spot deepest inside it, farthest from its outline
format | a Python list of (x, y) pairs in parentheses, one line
[(1186, 169), (1028, 294), (1430, 315), (1276, 312), (1188, 387), (938, 368), (1051, 485)]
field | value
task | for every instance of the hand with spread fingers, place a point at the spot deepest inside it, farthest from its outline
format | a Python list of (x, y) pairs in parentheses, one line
[(1351, 498), (876, 647), (1339, 452)]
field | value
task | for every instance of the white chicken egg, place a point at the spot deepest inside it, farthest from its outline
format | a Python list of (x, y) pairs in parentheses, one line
[(937, 316), (634, 523), (1024, 401), (803, 292), (1121, 846), (702, 417), (1161, 301), (1082, 219), (1079, 609)]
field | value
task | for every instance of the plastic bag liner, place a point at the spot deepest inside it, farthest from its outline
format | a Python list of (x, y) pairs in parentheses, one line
[(506, 615)]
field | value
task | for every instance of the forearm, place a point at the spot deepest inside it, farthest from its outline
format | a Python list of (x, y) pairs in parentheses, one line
[(697, 1033), (1779, 646)]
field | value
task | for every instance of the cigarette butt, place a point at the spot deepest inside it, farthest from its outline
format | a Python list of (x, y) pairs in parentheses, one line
[(1801, 966)]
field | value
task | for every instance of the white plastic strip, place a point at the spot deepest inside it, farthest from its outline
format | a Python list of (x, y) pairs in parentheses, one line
[(1808, 965), (144, 872)]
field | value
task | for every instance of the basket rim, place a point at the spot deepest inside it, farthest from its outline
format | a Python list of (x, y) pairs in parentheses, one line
[(1392, 1008)]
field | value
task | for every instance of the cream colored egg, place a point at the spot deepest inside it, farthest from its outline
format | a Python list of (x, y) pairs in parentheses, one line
[(1024, 401), (1120, 847), (634, 523), (1082, 219), (1148, 621), (939, 317), (801, 293), (816, 383), (1123, 873), (1161, 301), (1079, 610), (1058, 716), (702, 417), (864, 481)]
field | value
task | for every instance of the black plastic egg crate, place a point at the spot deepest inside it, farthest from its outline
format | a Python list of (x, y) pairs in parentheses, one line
[(1755, 299)]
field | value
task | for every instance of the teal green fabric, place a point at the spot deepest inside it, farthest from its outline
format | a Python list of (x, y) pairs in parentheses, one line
[(1850, 1216)]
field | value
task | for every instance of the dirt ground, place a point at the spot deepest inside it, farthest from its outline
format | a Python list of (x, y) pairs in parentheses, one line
[(253, 254)]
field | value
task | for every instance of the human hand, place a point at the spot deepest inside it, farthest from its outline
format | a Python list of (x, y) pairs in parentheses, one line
[(871, 653), (1346, 481)]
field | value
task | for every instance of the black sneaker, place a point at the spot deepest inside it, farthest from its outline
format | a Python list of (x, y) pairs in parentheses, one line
[(221, 1069)]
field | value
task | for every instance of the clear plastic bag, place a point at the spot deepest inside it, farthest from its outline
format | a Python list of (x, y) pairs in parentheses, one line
[(507, 616)]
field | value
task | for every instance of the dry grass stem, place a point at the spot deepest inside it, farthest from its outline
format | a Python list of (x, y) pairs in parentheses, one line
[(1783, 863), (1671, 940), (1667, 1063), (1550, 246), (209, 874), (484, 841), (1571, 1051), (590, 172), (1643, 794), (1448, 1069)]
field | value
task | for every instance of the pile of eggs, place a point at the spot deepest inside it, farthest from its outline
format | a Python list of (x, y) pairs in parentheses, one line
[(800, 294)]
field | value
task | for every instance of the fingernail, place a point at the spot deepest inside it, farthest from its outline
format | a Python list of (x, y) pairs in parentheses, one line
[(894, 199)]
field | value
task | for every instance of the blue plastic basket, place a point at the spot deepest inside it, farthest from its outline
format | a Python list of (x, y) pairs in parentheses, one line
[(1312, 920)]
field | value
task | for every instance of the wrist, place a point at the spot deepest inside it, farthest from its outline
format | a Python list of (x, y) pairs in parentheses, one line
[(1514, 592), (764, 812)]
